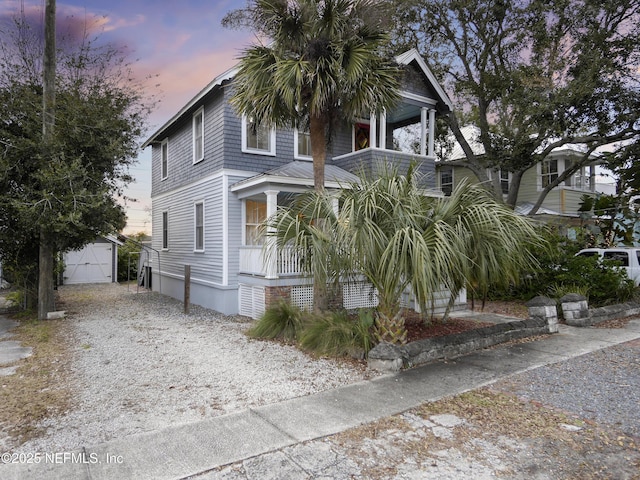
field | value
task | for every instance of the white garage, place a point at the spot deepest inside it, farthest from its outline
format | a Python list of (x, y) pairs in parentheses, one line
[(97, 262)]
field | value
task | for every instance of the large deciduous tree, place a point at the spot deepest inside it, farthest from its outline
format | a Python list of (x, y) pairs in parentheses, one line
[(322, 61), (64, 192), (533, 75)]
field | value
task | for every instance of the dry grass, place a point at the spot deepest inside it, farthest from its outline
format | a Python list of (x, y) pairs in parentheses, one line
[(498, 429), (39, 388)]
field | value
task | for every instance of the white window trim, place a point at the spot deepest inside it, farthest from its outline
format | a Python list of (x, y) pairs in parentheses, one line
[(195, 227), (364, 121), (198, 113), (272, 141), (562, 166), (453, 179), (244, 221), (164, 224), (559, 170), (500, 171), (164, 170), (296, 154)]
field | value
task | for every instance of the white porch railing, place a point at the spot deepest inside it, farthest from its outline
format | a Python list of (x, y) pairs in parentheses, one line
[(253, 262)]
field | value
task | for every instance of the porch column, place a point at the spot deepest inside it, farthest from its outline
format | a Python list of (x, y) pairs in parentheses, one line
[(383, 130), (423, 131), (432, 130), (372, 130), (335, 203), (271, 253)]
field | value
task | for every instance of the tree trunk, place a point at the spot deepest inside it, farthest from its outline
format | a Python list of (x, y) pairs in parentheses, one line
[(317, 135), (317, 131), (46, 301)]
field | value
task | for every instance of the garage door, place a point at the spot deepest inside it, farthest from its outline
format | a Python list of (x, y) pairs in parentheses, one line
[(92, 264)]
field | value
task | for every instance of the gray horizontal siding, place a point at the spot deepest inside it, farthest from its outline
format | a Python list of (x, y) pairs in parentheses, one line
[(236, 159), (208, 265), (181, 169), (235, 227)]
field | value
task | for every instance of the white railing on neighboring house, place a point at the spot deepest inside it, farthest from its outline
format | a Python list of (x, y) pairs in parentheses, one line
[(254, 262)]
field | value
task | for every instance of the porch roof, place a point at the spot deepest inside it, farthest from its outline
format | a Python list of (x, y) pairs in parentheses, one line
[(523, 208), (294, 176)]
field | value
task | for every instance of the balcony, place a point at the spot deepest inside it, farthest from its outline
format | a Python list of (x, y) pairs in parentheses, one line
[(372, 160), (253, 262)]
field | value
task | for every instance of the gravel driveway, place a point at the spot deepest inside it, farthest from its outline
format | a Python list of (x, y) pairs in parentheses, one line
[(140, 364)]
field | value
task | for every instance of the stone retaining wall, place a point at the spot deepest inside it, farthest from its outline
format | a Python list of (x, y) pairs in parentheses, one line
[(543, 319), (602, 314), (388, 357)]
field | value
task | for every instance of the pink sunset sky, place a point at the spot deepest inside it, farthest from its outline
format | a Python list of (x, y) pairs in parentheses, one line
[(181, 43)]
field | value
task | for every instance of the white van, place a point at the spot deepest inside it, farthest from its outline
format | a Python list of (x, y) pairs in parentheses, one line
[(628, 258)]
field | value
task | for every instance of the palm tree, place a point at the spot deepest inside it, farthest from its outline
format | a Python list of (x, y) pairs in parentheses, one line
[(390, 232), (325, 63)]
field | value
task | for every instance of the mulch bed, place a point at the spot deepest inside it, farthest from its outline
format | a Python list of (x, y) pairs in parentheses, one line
[(417, 329)]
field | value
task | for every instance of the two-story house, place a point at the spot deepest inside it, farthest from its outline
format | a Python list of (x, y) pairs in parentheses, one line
[(561, 203), (216, 176)]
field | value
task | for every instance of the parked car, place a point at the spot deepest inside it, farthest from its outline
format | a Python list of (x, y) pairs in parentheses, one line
[(627, 257)]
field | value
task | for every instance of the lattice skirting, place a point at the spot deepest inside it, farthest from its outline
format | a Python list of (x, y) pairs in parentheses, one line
[(354, 295)]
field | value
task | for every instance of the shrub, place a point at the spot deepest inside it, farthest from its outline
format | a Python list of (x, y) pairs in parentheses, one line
[(560, 269), (281, 320), (338, 333), (604, 282)]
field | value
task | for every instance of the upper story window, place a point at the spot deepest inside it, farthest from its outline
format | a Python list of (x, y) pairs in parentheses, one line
[(257, 137), (581, 179), (198, 214), (446, 180), (361, 133), (505, 179), (165, 230), (164, 159), (198, 136), (548, 172), (302, 144), (255, 214), (550, 169)]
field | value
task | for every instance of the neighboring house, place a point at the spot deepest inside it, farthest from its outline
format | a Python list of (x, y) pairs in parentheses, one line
[(561, 203), (96, 262), (216, 176)]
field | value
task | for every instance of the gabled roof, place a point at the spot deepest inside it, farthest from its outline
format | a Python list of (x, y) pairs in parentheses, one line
[(215, 83), (523, 208), (404, 59), (414, 56)]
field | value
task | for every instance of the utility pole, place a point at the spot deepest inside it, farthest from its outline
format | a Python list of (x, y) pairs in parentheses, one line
[(46, 251)]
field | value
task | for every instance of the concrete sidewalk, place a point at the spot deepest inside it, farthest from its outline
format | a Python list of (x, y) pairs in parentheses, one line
[(11, 351), (185, 450)]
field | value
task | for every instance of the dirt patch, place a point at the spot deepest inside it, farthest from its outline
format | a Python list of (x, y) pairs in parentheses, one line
[(615, 322), (513, 308), (418, 329), (39, 388)]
